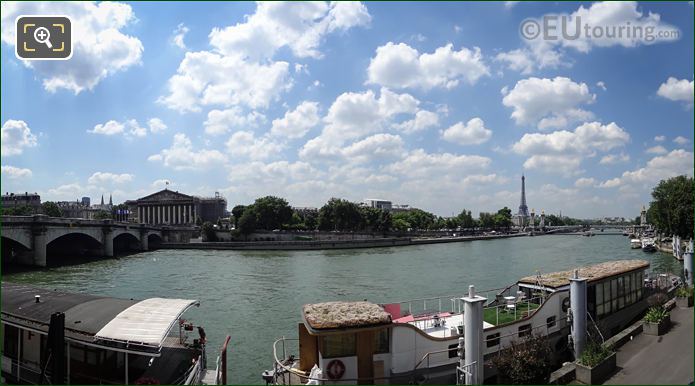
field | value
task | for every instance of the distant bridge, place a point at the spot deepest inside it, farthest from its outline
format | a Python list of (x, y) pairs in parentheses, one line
[(29, 239)]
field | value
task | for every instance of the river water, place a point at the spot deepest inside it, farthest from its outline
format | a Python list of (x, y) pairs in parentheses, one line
[(256, 297)]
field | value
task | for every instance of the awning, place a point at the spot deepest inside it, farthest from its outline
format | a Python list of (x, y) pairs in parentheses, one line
[(145, 323)]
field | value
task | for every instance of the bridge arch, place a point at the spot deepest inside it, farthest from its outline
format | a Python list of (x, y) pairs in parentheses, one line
[(154, 240), (21, 238), (54, 234), (13, 251), (126, 242), (73, 245)]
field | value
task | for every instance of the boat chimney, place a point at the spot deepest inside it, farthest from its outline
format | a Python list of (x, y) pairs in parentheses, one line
[(37, 298), (578, 310), (471, 291)]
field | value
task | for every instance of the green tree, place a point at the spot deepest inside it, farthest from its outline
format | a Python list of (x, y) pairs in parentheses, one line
[(51, 209), (503, 218), (466, 220), (671, 210), (272, 212), (418, 219), (247, 222), (23, 210), (310, 221), (400, 225), (341, 215), (487, 220), (237, 212), (208, 231)]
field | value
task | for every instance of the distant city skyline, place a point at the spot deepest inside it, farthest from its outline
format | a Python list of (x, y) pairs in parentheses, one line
[(439, 106)]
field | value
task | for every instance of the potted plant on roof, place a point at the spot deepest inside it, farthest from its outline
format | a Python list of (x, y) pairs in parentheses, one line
[(595, 364), (656, 321), (684, 297)]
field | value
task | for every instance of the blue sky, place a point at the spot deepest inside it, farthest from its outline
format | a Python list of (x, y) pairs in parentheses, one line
[(440, 106)]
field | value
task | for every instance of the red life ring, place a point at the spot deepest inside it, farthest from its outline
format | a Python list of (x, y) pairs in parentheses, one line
[(335, 369)]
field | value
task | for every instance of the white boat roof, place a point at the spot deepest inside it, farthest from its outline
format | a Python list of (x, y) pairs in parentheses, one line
[(146, 323)]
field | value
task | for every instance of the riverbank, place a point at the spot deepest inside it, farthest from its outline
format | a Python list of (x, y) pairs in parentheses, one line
[(308, 245)]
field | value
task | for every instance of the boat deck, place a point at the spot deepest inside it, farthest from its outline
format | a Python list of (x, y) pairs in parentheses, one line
[(439, 325)]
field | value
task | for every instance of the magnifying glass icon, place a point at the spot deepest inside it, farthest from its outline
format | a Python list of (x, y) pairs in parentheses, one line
[(42, 36)]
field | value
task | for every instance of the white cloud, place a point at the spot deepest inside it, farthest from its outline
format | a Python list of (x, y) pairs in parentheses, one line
[(296, 123), (610, 159), (657, 150), (548, 103), (612, 183), (16, 136), (510, 4), (109, 128), (13, 172), (681, 140), (660, 138), (419, 164), (178, 35), (608, 16), (207, 78), (563, 151), (156, 125), (423, 120), (519, 60), (471, 133), (130, 128), (161, 184), (181, 156), (375, 148), (239, 70), (99, 178), (661, 167), (677, 90), (299, 26), (401, 66), (601, 85), (222, 121), (66, 192), (584, 182), (100, 49), (245, 143)]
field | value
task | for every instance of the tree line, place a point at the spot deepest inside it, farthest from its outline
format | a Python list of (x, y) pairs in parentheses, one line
[(274, 213), (671, 208)]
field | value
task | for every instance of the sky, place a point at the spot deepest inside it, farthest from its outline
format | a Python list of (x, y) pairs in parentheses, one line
[(441, 106)]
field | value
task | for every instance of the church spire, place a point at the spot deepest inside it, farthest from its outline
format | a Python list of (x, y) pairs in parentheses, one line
[(102, 199), (110, 200)]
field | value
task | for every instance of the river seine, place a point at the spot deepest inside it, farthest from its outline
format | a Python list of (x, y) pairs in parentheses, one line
[(256, 297)]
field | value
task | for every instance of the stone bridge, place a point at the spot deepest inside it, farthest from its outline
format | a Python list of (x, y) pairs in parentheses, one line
[(30, 239)]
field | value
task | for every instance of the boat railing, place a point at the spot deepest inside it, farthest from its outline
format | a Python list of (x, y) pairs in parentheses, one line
[(518, 306), (461, 372), (194, 375), (444, 303)]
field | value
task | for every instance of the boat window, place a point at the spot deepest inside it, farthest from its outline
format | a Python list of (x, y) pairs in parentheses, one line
[(550, 322), (524, 330), (339, 345), (493, 340), (599, 293), (614, 295), (453, 350), (621, 292), (381, 344), (10, 338)]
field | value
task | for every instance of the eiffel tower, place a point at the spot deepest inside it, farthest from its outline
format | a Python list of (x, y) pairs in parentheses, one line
[(523, 214)]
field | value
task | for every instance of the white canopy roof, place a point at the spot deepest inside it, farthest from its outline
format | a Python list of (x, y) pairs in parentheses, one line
[(147, 322)]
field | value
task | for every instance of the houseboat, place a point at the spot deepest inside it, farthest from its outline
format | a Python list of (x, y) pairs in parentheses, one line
[(88, 339), (417, 341)]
